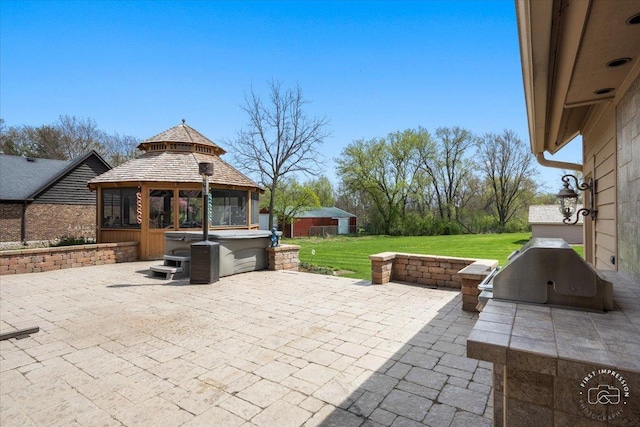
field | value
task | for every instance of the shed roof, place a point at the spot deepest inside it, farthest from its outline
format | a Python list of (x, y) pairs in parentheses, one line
[(23, 178), (548, 214), (326, 212)]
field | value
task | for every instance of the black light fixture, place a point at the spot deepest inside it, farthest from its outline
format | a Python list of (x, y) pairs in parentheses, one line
[(603, 91), (568, 199), (618, 62)]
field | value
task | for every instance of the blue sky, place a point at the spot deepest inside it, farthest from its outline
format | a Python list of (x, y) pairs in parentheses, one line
[(139, 67)]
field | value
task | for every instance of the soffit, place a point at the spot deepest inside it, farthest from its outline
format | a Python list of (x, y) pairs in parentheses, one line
[(606, 37), (565, 46)]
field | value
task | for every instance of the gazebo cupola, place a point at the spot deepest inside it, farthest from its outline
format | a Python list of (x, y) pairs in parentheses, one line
[(181, 138), (161, 190)]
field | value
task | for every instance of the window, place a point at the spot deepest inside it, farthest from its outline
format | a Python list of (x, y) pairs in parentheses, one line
[(190, 208), (255, 207), (161, 209), (229, 207), (119, 208)]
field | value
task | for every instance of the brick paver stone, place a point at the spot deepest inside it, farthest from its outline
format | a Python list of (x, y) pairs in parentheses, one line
[(406, 404), (261, 349)]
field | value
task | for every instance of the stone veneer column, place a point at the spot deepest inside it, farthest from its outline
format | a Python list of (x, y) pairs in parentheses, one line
[(283, 257), (471, 276), (381, 266), (628, 181)]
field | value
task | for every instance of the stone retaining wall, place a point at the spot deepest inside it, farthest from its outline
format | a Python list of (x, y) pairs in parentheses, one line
[(451, 272), (57, 258), (283, 257)]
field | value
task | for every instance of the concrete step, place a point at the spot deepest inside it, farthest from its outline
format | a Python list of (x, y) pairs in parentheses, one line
[(167, 270), (180, 258)]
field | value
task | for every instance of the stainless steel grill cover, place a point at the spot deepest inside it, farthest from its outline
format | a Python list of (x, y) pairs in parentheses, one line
[(549, 271)]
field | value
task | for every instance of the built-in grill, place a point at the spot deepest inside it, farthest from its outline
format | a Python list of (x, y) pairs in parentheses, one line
[(548, 271)]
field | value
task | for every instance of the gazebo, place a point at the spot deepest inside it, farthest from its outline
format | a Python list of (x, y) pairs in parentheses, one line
[(162, 190)]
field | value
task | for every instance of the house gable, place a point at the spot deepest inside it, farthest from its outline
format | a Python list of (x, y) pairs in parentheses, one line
[(70, 187)]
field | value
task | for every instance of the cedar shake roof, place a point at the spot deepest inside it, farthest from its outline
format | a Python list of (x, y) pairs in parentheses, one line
[(173, 156), (166, 166), (182, 133)]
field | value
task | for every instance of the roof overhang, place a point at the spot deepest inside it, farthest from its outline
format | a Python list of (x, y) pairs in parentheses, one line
[(565, 46)]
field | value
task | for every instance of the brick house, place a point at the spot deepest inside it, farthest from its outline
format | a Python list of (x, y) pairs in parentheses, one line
[(45, 199)]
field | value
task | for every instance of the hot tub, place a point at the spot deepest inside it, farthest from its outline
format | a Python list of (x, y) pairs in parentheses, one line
[(240, 250)]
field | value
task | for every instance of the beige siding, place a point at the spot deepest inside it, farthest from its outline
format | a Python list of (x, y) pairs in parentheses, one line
[(600, 163), (572, 234)]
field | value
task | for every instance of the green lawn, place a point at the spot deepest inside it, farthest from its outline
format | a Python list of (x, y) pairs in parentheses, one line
[(352, 253)]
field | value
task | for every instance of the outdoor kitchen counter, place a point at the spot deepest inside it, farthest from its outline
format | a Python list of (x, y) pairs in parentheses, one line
[(542, 355)]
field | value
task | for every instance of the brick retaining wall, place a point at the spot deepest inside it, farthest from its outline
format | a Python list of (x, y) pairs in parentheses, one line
[(451, 272), (57, 258)]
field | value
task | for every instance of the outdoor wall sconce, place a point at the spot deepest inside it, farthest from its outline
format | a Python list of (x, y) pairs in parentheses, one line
[(568, 199)]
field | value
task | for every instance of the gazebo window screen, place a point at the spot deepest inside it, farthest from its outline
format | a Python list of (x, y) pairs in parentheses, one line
[(160, 208), (119, 209), (229, 208), (190, 208)]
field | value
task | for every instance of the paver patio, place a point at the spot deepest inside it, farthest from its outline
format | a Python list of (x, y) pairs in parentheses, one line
[(265, 348)]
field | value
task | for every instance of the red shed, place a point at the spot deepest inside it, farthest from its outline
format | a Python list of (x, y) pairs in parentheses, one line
[(322, 222)]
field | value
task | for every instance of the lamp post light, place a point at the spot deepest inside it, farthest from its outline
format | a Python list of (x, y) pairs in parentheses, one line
[(568, 199)]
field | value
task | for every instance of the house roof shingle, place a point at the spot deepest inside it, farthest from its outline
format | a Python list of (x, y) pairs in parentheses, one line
[(326, 212), (22, 178), (547, 214)]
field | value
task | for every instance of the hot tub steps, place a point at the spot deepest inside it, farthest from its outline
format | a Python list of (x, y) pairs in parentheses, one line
[(174, 267)]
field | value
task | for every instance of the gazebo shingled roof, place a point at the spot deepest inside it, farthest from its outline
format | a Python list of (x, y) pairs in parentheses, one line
[(182, 133), (176, 164)]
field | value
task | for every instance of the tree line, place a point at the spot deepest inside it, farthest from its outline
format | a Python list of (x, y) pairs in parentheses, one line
[(410, 182), (65, 139), (413, 182)]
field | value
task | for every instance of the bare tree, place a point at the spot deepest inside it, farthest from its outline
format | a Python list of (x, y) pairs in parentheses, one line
[(121, 148), (279, 138), (79, 135), (508, 168), (451, 171), (66, 139)]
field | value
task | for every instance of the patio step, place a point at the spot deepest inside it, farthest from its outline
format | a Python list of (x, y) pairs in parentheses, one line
[(175, 266), (177, 258), (168, 271)]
